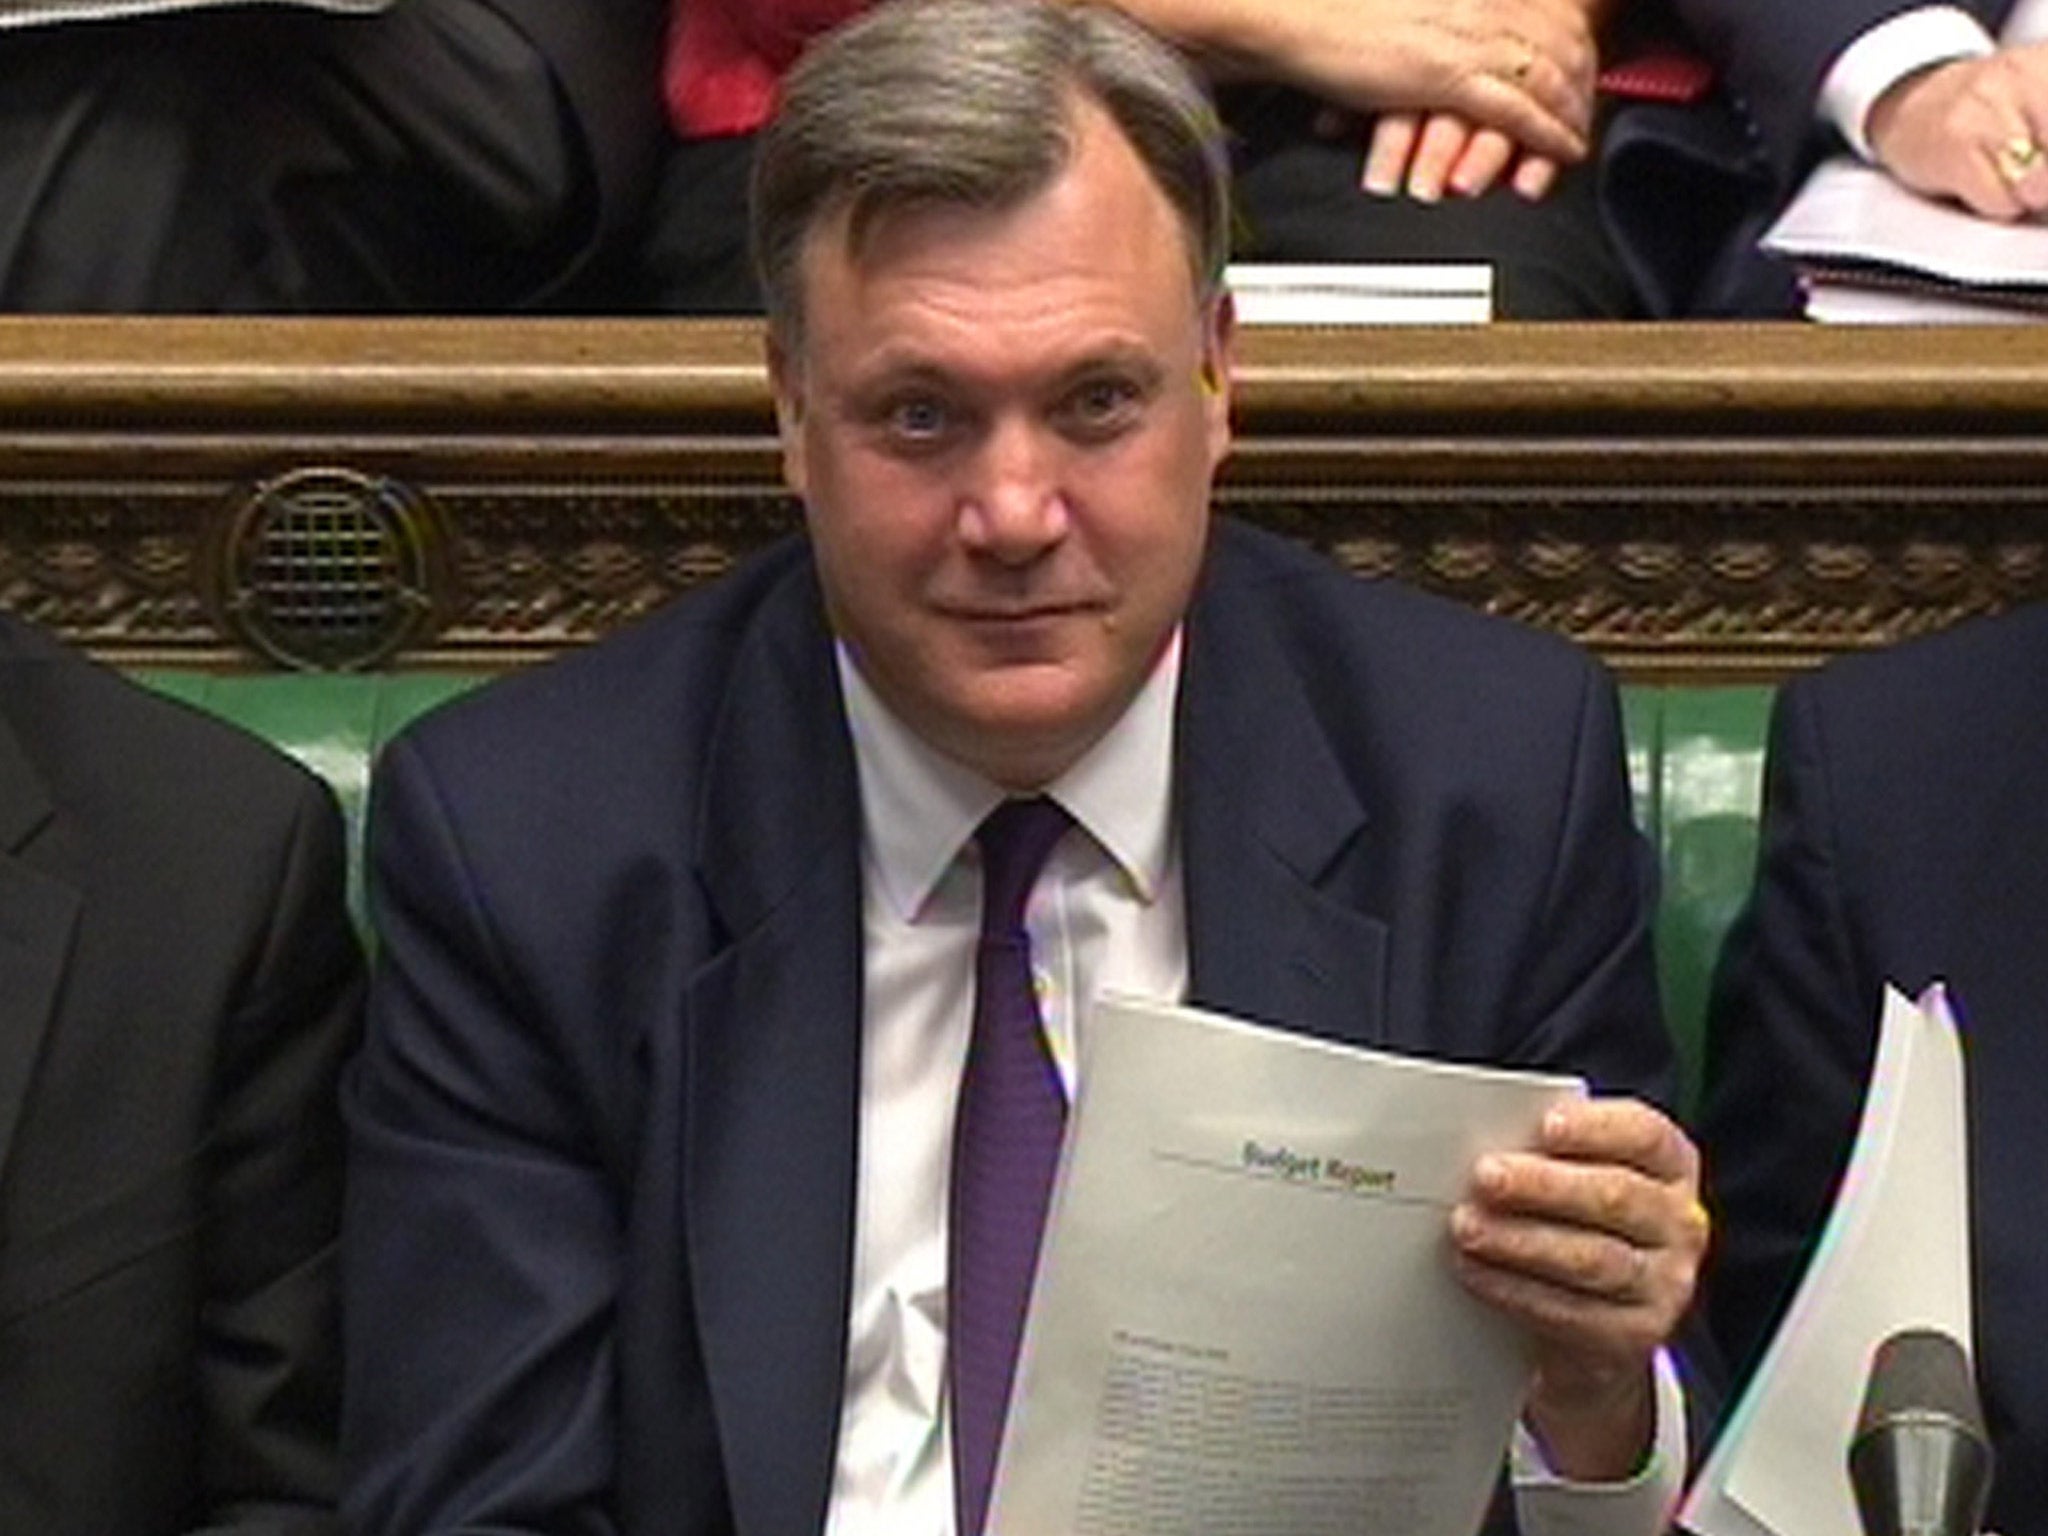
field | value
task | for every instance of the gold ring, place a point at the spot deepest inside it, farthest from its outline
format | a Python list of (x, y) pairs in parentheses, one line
[(2017, 157), (1697, 1219), (1519, 70)]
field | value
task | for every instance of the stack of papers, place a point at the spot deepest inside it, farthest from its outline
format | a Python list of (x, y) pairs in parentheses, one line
[(1370, 293), (1870, 251), (1894, 1254)]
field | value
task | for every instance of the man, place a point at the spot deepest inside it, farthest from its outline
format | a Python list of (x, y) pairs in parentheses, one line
[(651, 1140), (199, 157), (1951, 98), (179, 983), (1904, 841)]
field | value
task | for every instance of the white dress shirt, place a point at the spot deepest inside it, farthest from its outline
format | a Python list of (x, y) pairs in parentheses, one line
[(1106, 914), (1886, 54), (1911, 41)]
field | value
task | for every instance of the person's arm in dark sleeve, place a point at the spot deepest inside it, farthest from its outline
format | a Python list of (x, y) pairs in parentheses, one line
[(1790, 1037), (482, 1232), (268, 1366)]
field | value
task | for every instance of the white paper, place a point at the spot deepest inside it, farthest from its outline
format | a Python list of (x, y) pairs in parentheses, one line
[(1856, 304), (39, 13), (1847, 210), (1245, 1318), (1894, 1253), (1361, 293)]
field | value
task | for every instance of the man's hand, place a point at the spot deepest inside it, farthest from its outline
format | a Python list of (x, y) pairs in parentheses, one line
[(1442, 153), (1975, 130), (1593, 1243)]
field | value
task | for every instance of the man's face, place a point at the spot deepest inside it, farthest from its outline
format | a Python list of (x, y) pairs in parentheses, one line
[(1003, 426)]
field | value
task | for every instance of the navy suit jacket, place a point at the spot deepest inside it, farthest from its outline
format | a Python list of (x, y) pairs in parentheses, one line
[(601, 1207), (1905, 839)]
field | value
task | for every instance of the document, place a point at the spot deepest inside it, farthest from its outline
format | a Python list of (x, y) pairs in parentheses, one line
[(1362, 293), (1894, 1253), (1870, 250), (1245, 1321)]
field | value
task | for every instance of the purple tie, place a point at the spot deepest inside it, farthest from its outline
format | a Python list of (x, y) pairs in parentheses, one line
[(1006, 1139)]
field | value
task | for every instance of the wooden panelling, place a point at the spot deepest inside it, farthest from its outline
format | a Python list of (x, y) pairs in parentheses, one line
[(1692, 501)]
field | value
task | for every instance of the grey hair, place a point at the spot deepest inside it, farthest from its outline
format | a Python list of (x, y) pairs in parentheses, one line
[(969, 103)]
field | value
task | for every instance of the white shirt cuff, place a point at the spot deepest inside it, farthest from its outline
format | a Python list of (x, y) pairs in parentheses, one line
[(1886, 54), (1549, 1505), (2026, 22)]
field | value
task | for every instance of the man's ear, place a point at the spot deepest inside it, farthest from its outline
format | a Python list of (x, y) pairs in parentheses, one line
[(1219, 361), (785, 381)]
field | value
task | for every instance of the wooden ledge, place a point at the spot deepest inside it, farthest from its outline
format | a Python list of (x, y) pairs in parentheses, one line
[(1690, 500), (1605, 378)]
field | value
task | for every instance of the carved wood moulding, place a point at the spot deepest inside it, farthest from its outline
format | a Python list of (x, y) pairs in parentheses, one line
[(1687, 501)]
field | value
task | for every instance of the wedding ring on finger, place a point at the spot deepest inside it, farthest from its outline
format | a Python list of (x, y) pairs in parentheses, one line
[(2017, 158), (1698, 1222)]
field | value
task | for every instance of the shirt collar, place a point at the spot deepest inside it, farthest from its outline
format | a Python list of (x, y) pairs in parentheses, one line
[(918, 805)]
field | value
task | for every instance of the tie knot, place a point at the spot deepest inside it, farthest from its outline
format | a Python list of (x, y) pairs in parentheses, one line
[(1015, 840)]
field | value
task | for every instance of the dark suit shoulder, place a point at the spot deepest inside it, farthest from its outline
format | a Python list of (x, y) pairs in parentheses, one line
[(200, 850), (1960, 717), (101, 741), (664, 673), (1956, 679), (1416, 651), (636, 721)]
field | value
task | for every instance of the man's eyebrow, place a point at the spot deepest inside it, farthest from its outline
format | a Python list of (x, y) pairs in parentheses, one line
[(894, 370), (1118, 358), (888, 370)]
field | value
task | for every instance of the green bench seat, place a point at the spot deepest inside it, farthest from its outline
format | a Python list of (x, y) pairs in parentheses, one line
[(1695, 763)]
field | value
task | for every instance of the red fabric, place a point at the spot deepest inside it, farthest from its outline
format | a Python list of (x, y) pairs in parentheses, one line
[(726, 58), (1659, 75)]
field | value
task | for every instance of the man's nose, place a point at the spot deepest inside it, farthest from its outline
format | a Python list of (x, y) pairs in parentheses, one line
[(1013, 506)]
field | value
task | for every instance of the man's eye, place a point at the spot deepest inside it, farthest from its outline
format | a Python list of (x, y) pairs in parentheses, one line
[(920, 419), (1102, 407)]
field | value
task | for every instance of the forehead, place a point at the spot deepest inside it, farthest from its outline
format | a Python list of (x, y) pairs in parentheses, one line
[(1099, 246)]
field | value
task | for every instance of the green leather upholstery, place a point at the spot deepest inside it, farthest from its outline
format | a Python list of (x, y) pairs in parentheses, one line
[(1695, 761), (332, 722)]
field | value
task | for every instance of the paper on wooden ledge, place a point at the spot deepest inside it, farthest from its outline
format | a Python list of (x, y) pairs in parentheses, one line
[(1361, 293), (1894, 1253), (1245, 1305), (1847, 210)]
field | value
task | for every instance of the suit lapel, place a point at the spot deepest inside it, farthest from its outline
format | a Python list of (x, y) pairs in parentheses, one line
[(1274, 837), (38, 913), (773, 1074)]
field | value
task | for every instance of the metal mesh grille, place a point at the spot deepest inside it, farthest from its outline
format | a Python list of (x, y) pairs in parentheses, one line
[(326, 569)]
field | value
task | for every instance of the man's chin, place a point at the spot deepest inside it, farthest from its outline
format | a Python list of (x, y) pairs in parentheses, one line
[(1027, 726)]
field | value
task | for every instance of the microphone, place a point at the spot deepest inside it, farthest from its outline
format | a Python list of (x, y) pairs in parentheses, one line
[(1920, 1462)]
